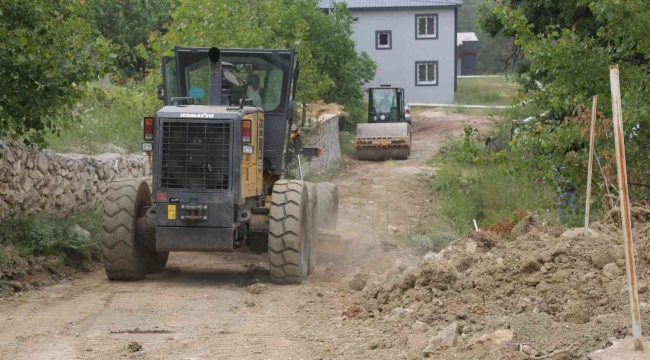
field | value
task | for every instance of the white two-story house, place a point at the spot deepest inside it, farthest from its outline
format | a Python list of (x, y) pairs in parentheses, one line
[(413, 43)]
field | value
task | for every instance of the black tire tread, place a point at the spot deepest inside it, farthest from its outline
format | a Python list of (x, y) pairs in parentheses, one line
[(285, 221), (118, 237)]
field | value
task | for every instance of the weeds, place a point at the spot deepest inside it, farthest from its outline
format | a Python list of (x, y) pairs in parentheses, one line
[(42, 236), (346, 141), (3, 256), (485, 183), (110, 118), (485, 91)]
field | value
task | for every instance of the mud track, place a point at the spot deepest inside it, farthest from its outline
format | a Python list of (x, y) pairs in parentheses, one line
[(201, 307)]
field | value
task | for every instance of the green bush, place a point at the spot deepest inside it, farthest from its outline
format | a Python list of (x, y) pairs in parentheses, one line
[(346, 142), (47, 52), (109, 117), (41, 236), (490, 183), (565, 60)]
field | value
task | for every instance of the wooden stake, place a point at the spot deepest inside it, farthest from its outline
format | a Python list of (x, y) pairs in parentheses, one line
[(624, 199), (592, 136)]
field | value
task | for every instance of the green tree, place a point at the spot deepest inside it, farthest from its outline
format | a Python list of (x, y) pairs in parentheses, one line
[(493, 51), (47, 53), (129, 24), (568, 48), (330, 68)]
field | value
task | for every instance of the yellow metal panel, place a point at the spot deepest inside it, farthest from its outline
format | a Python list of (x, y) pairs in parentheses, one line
[(171, 212), (252, 164)]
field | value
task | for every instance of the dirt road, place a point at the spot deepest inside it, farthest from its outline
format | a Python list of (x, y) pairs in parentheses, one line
[(201, 307)]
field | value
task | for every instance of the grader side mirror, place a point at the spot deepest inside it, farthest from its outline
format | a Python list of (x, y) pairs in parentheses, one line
[(160, 90)]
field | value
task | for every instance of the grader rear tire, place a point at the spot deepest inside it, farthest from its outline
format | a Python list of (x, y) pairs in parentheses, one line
[(289, 232), (328, 205), (123, 250), (312, 192)]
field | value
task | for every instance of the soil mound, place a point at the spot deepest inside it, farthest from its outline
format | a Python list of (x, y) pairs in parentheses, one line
[(555, 291)]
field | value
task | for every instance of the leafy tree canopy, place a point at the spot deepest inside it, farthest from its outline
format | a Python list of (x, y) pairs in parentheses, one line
[(129, 24), (330, 70), (47, 52), (567, 48)]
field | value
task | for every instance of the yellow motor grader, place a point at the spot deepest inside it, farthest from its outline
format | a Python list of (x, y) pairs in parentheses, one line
[(219, 149)]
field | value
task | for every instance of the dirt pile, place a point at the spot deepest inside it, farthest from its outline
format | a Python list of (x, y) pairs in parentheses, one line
[(555, 291)]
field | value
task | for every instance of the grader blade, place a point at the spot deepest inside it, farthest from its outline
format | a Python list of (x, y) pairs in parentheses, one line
[(336, 246)]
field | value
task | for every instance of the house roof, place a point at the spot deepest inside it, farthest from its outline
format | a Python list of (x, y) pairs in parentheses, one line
[(392, 4), (462, 37)]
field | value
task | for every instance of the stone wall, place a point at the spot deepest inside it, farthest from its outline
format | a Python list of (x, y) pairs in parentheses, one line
[(323, 133), (32, 181)]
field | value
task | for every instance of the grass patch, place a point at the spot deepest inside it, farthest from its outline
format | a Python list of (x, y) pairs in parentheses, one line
[(485, 91), (480, 112), (110, 119), (4, 256), (42, 236), (346, 142), (488, 194), (490, 184)]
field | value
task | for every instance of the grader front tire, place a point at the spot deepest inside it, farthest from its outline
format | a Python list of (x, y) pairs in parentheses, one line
[(123, 252), (289, 232)]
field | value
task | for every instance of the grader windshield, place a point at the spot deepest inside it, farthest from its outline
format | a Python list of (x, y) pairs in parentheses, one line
[(267, 74)]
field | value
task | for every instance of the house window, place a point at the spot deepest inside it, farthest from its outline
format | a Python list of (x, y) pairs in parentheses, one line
[(383, 40), (426, 26), (426, 73)]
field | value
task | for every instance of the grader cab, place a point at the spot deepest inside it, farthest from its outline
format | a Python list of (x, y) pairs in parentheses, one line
[(219, 149)]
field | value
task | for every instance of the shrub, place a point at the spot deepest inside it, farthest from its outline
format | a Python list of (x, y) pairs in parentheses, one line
[(42, 236)]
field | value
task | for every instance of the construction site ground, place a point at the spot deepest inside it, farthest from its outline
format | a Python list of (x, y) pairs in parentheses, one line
[(484, 298)]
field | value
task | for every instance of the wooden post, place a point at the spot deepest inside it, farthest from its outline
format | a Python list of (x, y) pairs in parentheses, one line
[(592, 136), (624, 200)]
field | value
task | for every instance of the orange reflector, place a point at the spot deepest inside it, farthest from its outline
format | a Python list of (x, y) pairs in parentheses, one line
[(320, 151)]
